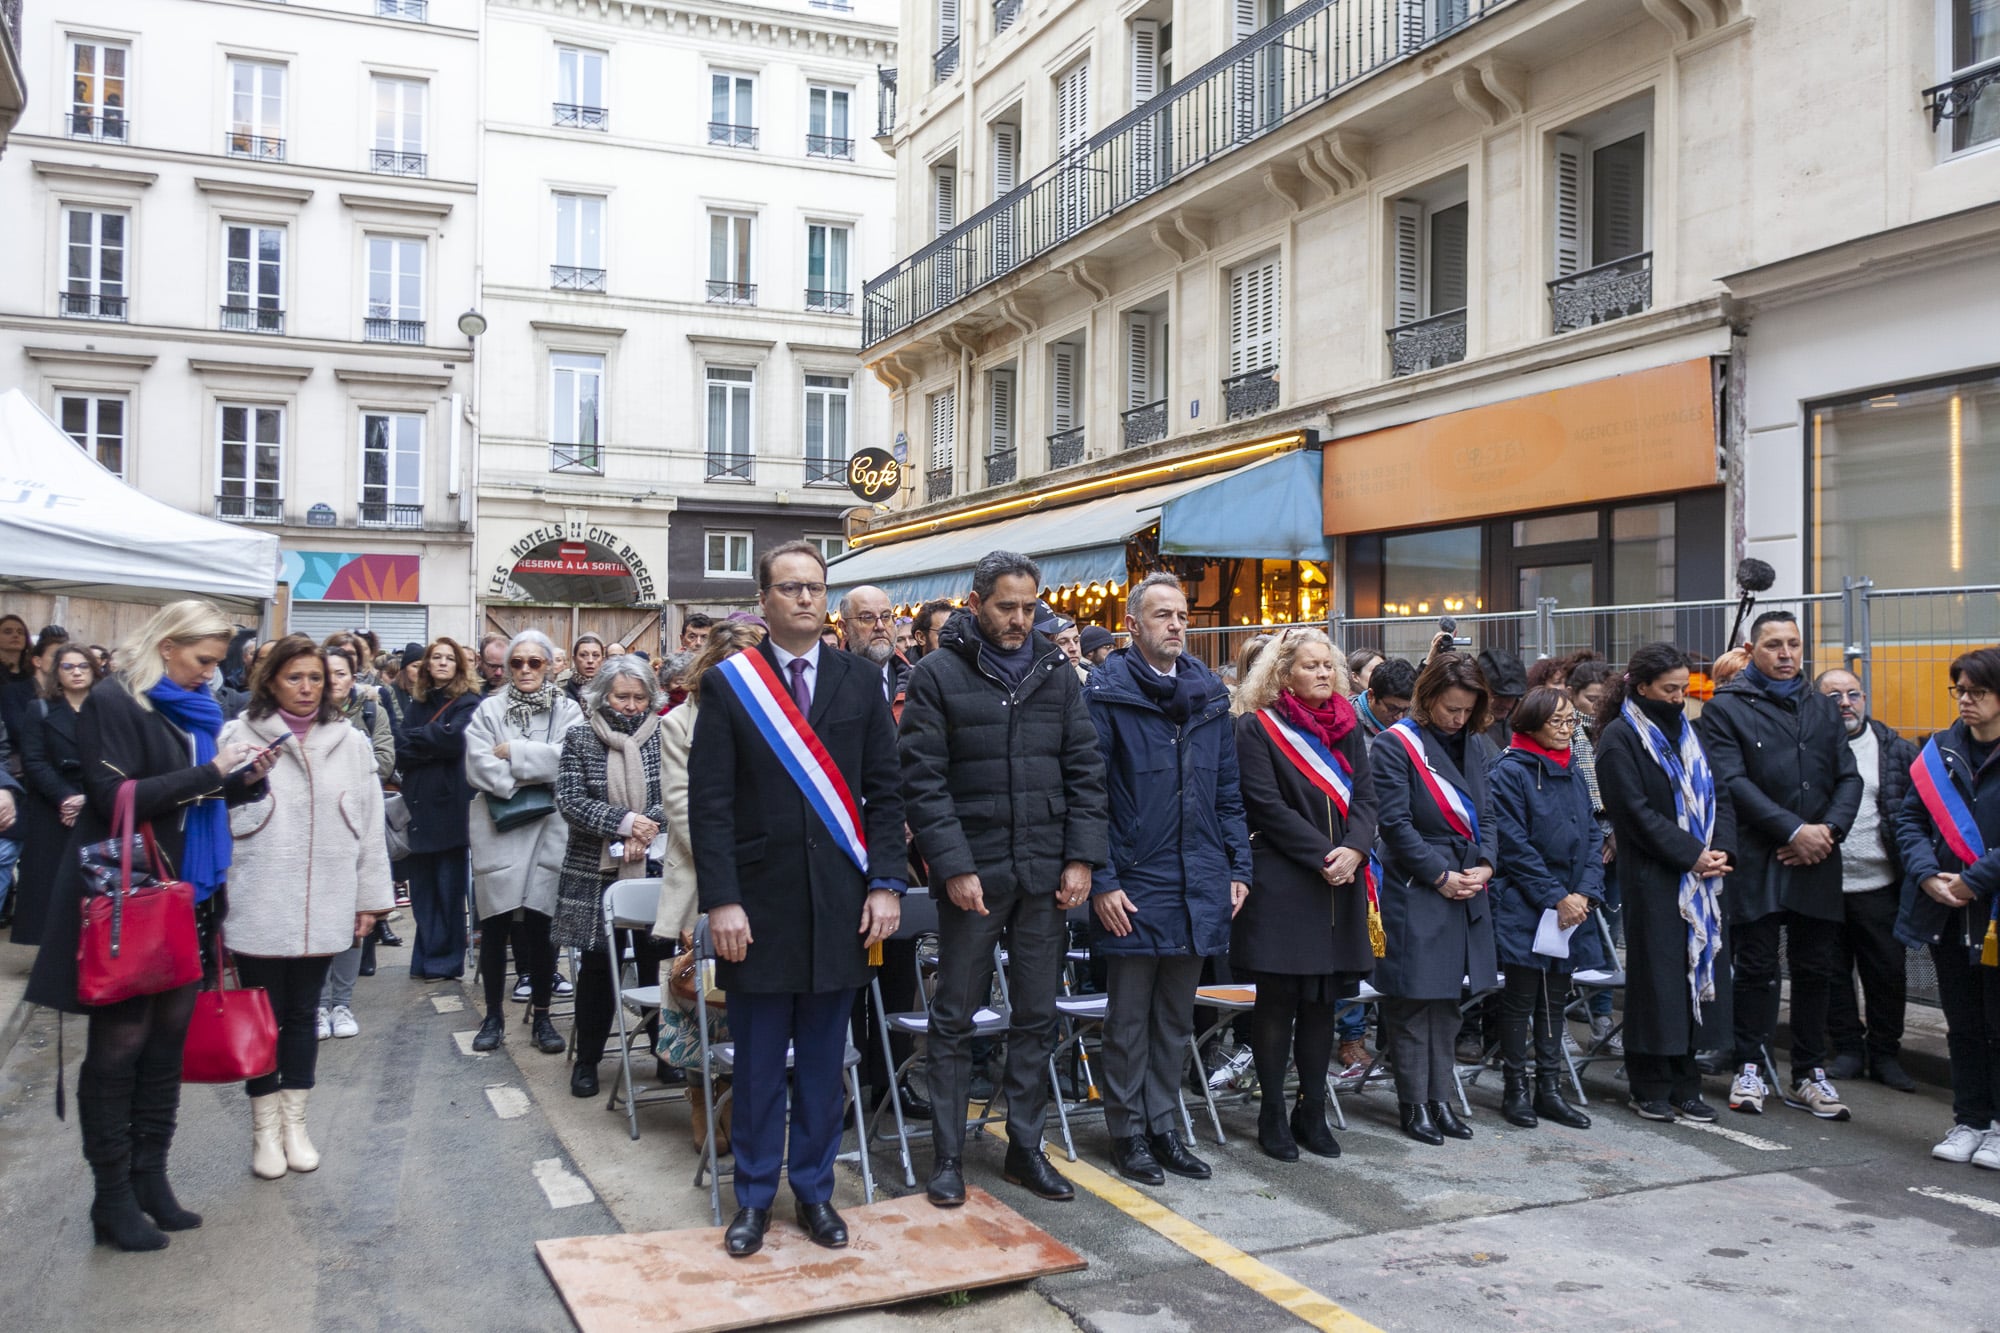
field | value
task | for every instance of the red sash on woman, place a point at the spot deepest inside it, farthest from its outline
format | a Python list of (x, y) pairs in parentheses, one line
[(1321, 767)]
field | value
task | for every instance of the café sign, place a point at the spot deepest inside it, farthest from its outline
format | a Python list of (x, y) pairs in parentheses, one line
[(874, 475)]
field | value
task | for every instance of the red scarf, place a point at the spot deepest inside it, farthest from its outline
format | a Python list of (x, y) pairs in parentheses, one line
[(1327, 723), (1523, 741)]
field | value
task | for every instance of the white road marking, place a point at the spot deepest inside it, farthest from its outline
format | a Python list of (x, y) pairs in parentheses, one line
[(508, 1103), (447, 1004), (1738, 1136), (1977, 1205), (464, 1040), (564, 1188)]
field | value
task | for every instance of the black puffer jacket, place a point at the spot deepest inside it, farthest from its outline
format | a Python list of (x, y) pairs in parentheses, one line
[(1005, 784), (1922, 920), (1892, 784)]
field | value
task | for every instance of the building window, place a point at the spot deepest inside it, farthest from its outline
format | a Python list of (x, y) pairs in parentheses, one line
[(828, 544), (1975, 55), (399, 128), (732, 120), (828, 133), (576, 413), (944, 63), (392, 470), (944, 216), (1066, 399), (1603, 268), (944, 433), (1254, 311), (1072, 127), (256, 110), (579, 264), (1146, 41), (250, 463), (94, 277), (253, 278), (729, 422), (1428, 238), (1144, 419), (826, 428), (1002, 449), (731, 247), (580, 102), (97, 423), (728, 555), (97, 90), (827, 289), (395, 290)]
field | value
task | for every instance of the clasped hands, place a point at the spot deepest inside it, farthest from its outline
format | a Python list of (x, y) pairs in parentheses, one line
[(1809, 846), (1459, 885)]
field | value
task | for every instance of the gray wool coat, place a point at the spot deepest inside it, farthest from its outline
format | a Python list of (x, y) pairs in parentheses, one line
[(518, 868)]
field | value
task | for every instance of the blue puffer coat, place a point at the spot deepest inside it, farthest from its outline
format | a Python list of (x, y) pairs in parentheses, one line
[(1550, 847), (1177, 831)]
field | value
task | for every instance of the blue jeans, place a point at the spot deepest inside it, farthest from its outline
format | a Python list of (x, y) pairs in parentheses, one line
[(10, 855), (1350, 1020)]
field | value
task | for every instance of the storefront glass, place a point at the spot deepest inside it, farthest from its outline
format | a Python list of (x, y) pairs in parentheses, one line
[(1431, 573)]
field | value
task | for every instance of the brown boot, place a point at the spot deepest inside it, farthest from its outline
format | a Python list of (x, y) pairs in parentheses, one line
[(698, 1116), (1353, 1053), (724, 1121)]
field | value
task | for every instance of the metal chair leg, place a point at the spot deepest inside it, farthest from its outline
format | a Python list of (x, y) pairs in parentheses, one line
[(624, 1046), (1207, 1095), (861, 1135)]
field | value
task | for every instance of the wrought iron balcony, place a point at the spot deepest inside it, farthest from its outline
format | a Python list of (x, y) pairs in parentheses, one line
[(885, 101), (252, 319), (1145, 425), (111, 127), (378, 514), (570, 116), (1426, 344), (1609, 291), (241, 143), (586, 458), (1247, 395), (945, 63), (91, 305), (250, 508), (395, 162), (728, 467), (833, 303), (826, 471), (1957, 98), (567, 278), (732, 136), (1001, 466), (1066, 447), (937, 485), (380, 329), (1263, 83), (1004, 14), (415, 11), (826, 145), (731, 293)]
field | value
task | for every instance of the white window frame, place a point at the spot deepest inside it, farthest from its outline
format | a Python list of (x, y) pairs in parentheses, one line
[(743, 133), (94, 437), (828, 544), (729, 541), (738, 419), (732, 253), (253, 297), (1072, 137), (943, 444), (843, 289), (1145, 357), (394, 116), (576, 66), (397, 250), (393, 492), (258, 95), (1066, 390), (1948, 60), (567, 429), (254, 413), (582, 226), (821, 99), (1255, 301), (1003, 401), (1573, 187), (831, 400), (1413, 225), (99, 106), (94, 284)]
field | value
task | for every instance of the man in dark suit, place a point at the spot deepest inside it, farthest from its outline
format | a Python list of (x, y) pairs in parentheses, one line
[(791, 914), (868, 628)]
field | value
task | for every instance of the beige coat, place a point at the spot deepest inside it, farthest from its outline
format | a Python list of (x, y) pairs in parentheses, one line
[(518, 868), (677, 885), (310, 853)]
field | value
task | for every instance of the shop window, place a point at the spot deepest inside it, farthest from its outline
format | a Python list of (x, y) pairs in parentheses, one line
[(1551, 528), (1643, 557), (1431, 573)]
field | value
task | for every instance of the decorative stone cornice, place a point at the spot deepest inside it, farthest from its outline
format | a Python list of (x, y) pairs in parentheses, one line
[(95, 175), (823, 34), (291, 194), (248, 369)]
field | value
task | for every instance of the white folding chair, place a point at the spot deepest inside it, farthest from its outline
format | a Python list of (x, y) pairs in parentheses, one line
[(1229, 1001), (630, 904)]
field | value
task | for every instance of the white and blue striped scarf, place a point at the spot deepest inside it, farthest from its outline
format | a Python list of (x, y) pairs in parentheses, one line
[(1686, 767)]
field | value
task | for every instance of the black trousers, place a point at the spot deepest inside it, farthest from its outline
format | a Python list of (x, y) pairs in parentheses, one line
[(1867, 942), (1810, 945), (1970, 996), (1423, 1036), (534, 955), (898, 975), (1663, 1078), (294, 984), (597, 1002), (1532, 1001)]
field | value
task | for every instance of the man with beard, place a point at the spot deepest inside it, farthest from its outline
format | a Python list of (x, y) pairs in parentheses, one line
[(868, 629)]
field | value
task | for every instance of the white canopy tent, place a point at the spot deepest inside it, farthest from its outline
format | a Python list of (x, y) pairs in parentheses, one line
[(70, 528)]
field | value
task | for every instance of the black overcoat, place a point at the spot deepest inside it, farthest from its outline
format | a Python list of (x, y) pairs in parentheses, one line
[(1653, 853), (430, 755), (1294, 923), (1435, 945), (758, 845), (52, 772), (1922, 920)]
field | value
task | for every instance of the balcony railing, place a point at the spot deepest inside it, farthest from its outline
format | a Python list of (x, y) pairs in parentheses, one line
[(587, 458), (1248, 394), (1426, 344), (944, 63), (91, 305), (379, 329), (1004, 14), (259, 146), (250, 508), (1001, 466), (379, 514), (1066, 447), (826, 471), (570, 116), (728, 467), (732, 136), (1957, 99), (833, 303), (937, 485), (415, 11), (1263, 83), (112, 127), (1609, 291), (731, 293), (1145, 425), (568, 278), (252, 319), (885, 101), (827, 145), (396, 162)]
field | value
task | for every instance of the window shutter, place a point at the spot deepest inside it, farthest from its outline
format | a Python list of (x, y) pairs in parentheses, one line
[(1243, 24), (1253, 317), (1243, 19), (1408, 249), (1567, 206), (943, 413), (1000, 410), (1139, 352), (945, 191), (1618, 200), (1145, 60), (947, 21), (1006, 159), (1062, 387), (1447, 258)]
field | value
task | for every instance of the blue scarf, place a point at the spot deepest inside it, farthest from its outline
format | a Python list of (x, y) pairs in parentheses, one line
[(1686, 765), (1783, 690), (205, 852)]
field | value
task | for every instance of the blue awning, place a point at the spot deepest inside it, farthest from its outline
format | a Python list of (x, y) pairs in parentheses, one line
[(1267, 512)]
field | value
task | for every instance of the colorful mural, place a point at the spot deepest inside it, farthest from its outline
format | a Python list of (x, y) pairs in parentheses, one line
[(340, 576)]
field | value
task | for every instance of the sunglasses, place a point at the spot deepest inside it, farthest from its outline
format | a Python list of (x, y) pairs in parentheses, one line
[(527, 663)]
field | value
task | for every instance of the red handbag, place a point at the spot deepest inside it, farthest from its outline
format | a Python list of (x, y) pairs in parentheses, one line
[(233, 1036), (138, 935)]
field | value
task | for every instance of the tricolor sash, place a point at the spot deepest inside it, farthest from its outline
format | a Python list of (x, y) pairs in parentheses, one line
[(1947, 806), (1309, 755), (1453, 804), (784, 728)]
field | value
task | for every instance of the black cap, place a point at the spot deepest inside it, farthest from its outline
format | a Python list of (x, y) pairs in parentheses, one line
[(1505, 675), (1095, 637), (411, 652)]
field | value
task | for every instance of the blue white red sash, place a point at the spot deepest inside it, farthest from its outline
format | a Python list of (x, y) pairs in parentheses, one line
[(778, 720), (1321, 766), (1453, 804), (1946, 804)]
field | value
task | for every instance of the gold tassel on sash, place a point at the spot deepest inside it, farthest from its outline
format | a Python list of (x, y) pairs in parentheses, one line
[(1989, 952)]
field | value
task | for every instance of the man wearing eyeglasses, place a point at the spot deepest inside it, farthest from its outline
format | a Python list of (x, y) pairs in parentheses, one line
[(1386, 701), (1871, 880), (868, 629)]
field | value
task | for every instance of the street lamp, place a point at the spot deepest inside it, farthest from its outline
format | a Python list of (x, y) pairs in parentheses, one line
[(472, 323)]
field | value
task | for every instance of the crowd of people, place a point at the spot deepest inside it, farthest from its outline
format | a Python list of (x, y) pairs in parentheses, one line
[(1441, 845)]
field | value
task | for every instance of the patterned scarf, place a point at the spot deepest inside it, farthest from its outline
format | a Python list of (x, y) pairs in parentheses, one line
[(206, 850), (625, 778), (1686, 767), (521, 708)]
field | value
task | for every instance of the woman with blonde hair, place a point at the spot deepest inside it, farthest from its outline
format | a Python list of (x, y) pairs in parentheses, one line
[(143, 725), (431, 754)]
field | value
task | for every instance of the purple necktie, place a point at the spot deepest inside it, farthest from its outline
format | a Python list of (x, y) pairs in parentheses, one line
[(802, 693)]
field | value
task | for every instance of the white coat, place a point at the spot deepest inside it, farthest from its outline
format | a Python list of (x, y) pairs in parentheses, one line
[(677, 909), (518, 868), (310, 853)]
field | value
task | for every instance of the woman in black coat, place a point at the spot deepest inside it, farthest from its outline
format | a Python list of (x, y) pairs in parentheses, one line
[(1435, 915), (1658, 844), (52, 772), (1302, 934), (430, 752), (153, 724)]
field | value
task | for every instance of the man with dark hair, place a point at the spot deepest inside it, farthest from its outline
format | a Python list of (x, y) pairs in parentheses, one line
[(1004, 789), (929, 624), (1386, 700), (694, 631), (493, 662), (1779, 750)]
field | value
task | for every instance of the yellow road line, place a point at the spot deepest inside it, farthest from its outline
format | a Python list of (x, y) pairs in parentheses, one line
[(1302, 1302)]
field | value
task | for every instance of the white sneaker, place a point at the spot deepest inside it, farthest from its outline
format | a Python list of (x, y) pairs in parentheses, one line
[(343, 1022), (1987, 1154), (1230, 1070), (1747, 1091), (1960, 1144), (524, 990), (325, 1024)]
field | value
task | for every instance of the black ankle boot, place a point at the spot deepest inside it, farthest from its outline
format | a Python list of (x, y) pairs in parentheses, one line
[(1309, 1127), (1417, 1123), (1274, 1135), (1447, 1121), (1549, 1104), (150, 1189), (1516, 1107)]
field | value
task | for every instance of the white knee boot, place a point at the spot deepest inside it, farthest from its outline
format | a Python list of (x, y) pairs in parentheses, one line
[(300, 1154), (267, 1155)]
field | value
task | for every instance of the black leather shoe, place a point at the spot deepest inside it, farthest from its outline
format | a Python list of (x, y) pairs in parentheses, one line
[(947, 1183), (386, 936), (1447, 1121), (667, 1076), (490, 1033), (1310, 1129), (1134, 1160), (1173, 1155), (367, 967), (1032, 1172), (1549, 1105), (547, 1040), (583, 1082), (914, 1107), (1889, 1072), (745, 1235), (822, 1224), (1517, 1107), (1417, 1123)]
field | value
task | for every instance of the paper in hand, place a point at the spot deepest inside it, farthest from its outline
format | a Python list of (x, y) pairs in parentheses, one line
[(1551, 939)]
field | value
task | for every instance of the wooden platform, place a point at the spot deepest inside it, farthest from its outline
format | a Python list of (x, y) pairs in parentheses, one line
[(901, 1249)]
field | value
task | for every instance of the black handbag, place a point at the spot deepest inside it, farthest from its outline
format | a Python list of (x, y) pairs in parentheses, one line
[(527, 804)]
